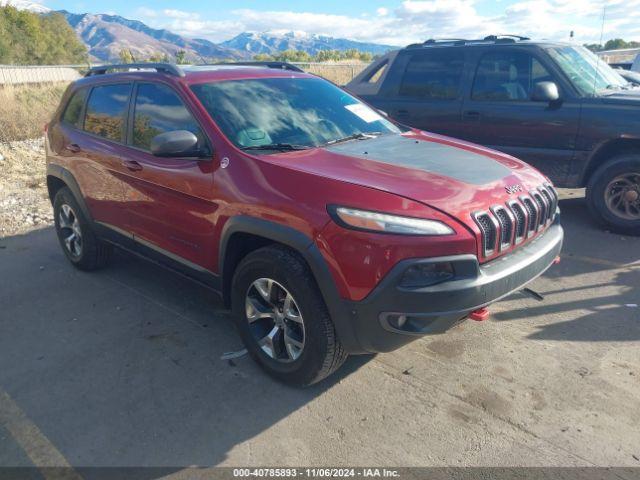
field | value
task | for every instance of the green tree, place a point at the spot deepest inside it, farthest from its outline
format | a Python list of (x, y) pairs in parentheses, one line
[(126, 56), (29, 38), (181, 57), (262, 57)]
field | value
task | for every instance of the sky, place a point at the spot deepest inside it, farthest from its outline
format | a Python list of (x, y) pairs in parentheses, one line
[(387, 22)]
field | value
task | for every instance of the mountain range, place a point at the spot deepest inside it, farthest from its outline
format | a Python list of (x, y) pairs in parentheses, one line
[(105, 36)]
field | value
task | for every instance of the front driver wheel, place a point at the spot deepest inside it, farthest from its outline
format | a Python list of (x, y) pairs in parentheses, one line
[(613, 193), (282, 318)]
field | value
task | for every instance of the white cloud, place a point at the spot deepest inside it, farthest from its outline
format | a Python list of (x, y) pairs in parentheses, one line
[(418, 20)]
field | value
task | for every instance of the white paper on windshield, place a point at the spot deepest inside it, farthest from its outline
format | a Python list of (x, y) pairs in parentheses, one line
[(364, 112)]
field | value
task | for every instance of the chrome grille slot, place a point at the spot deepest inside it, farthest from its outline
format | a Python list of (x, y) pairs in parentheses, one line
[(550, 202), (532, 212), (542, 208), (520, 215), (506, 226), (488, 232), (554, 199)]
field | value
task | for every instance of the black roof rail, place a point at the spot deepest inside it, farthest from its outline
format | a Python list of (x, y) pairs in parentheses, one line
[(169, 68), (462, 41), (513, 38), (268, 64)]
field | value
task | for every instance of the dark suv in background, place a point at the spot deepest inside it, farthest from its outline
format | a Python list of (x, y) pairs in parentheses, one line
[(554, 105)]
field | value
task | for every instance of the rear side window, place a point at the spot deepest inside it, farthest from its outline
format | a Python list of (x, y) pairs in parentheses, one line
[(433, 75), (107, 111), (158, 109), (507, 76), (73, 111)]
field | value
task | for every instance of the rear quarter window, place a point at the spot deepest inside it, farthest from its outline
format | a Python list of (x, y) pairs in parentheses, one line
[(107, 111), (433, 75), (73, 111)]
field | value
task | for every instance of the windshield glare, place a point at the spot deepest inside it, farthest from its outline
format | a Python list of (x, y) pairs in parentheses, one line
[(587, 72), (298, 111)]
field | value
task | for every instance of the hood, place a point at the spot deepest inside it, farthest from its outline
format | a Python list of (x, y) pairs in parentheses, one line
[(622, 97), (452, 176)]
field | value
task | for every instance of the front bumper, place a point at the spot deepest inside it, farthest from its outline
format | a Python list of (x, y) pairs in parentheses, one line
[(434, 309)]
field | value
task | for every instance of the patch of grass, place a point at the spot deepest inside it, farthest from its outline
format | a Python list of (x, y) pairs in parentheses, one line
[(24, 109)]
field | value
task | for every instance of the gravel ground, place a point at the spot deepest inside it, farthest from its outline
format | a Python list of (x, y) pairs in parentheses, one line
[(24, 203)]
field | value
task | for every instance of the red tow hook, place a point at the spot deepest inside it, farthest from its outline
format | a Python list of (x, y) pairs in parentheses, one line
[(556, 260), (479, 315)]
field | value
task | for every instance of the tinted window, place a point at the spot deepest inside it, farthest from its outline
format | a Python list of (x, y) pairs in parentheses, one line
[(158, 109), (106, 111), (507, 76), (74, 108), (435, 74), (301, 111)]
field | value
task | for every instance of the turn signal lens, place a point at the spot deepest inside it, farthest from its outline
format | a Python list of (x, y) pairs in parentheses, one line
[(385, 223)]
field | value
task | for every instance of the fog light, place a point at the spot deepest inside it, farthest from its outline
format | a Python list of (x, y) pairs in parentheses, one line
[(425, 274)]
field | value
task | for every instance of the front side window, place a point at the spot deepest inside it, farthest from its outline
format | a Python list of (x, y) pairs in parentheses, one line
[(73, 112), (507, 76), (587, 72), (107, 111), (158, 109), (298, 111), (433, 75)]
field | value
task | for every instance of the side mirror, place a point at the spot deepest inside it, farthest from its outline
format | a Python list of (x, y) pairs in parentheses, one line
[(545, 92), (178, 143)]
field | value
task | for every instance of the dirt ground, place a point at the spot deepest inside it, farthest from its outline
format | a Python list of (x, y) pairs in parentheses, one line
[(24, 203)]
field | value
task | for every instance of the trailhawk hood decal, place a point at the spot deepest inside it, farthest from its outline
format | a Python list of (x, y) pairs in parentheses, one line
[(453, 176), (438, 158)]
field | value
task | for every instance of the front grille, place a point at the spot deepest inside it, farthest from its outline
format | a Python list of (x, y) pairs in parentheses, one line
[(488, 232), (532, 211), (521, 220), (542, 208), (504, 225)]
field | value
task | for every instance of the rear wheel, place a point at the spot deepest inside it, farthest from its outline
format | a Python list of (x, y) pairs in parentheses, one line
[(613, 193), (78, 241), (282, 318)]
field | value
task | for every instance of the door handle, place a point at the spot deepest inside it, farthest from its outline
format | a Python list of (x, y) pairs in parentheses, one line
[(73, 148), (132, 165), (471, 115)]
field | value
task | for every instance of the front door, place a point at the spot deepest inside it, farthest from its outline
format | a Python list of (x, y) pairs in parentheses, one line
[(169, 199), (498, 112)]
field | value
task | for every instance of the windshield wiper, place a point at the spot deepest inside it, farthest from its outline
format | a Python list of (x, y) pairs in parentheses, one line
[(355, 136), (277, 146)]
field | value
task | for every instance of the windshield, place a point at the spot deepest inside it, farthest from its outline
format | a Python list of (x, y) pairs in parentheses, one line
[(305, 112), (587, 72)]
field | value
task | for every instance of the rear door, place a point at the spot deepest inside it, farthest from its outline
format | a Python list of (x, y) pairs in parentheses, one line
[(93, 128), (498, 111), (168, 199), (424, 89)]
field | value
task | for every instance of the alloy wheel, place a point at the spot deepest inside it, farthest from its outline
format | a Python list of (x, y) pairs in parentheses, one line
[(622, 196), (275, 320), (70, 231)]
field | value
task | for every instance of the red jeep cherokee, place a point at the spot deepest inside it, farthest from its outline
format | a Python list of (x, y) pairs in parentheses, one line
[(328, 229)]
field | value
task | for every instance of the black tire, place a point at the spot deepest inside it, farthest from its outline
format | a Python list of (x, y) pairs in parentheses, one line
[(597, 192), (322, 353), (93, 252)]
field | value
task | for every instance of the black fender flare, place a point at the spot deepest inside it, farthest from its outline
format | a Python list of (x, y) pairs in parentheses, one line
[(66, 177), (306, 247)]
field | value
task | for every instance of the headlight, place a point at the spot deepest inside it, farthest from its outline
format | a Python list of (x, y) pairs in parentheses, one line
[(385, 223)]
